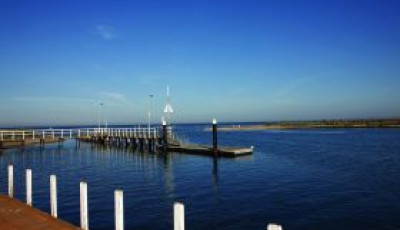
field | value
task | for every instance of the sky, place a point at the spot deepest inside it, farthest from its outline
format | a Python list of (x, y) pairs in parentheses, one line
[(231, 60)]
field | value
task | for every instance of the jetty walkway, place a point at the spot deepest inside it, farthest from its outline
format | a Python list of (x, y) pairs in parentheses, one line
[(160, 138)]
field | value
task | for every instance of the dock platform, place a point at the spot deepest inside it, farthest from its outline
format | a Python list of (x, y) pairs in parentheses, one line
[(16, 215), (208, 150)]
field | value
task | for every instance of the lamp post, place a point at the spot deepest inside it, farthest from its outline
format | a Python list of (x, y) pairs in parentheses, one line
[(150, 97), (99, 115)]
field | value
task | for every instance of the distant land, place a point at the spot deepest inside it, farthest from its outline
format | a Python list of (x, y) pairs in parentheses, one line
[(323, 124)]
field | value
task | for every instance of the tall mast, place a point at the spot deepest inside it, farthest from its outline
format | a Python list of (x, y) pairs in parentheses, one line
[(168, 108)]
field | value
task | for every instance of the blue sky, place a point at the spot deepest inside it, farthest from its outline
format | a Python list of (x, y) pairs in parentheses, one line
[(233, 60)]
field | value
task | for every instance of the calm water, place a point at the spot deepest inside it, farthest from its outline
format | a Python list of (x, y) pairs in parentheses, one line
[(309, 179)]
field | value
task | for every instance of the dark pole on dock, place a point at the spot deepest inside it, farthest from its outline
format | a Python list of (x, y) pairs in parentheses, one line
[(165, 135), (215, 137)]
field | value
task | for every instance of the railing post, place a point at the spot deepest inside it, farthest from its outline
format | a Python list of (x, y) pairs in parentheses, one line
[(29, 187), (11, 181), (70, 133), (13, 135), (84, 206), (79, 133), (1, 136), (23, 135), (53, 195), (119, 209), (179, 216), (87, 132), (33, 135), (52, 133), (43, 135)]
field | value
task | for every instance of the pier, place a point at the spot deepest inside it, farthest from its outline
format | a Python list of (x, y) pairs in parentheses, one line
[(150, 139)]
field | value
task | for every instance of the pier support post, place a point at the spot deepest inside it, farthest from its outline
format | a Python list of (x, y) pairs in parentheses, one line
[(11, 181), (274, 227), (119, 209), (179, 216), (215, 137), (53, 195), (165, 136), (29, 187), (84, 206)]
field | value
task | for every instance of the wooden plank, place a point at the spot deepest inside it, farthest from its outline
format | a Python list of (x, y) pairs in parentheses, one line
[(16, 215)]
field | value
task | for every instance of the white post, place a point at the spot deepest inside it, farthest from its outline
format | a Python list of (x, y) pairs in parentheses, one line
[(274, 227), (179, 216), (62, 133), (43, 135), (23, 135), (52, 133), (87, 132), (11, 181), (1, 136), (119, 209), (53, 195), (33, 134), (13, 135), (70, 133), (29, 187), (84, 207), (79, 133)]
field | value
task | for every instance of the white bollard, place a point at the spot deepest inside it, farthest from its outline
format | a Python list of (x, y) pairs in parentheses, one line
[(29, 187), (274, 227), (84, 206), (53, 195), (119, 209), (11, 181), (179, 216)]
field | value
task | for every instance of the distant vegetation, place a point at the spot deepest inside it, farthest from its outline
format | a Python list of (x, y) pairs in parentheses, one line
[(341, 123)]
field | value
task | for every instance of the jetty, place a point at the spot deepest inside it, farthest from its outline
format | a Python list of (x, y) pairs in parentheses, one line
[(161, 139)]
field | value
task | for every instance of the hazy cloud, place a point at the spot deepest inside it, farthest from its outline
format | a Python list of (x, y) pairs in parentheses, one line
[(117, 98), (105, 31), (53, 99)]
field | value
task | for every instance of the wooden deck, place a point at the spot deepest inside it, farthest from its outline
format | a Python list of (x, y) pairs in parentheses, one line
[(207, 150), (15, 215)]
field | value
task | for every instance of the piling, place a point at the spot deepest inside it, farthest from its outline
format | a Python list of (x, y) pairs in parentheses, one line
[(29, 187), (84, 206), (215, 137), (165, 135), (53, 195), (119, 209), (274, 227), (179, 216), (11, 181)]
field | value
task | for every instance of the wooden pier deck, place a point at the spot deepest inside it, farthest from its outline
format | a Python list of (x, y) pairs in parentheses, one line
[(16, 215)]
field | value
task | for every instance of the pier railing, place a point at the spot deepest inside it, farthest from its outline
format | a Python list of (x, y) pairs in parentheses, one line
[(11, 135)]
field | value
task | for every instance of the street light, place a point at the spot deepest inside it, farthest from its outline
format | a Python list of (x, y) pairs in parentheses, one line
[(150, 97), (99, 114)]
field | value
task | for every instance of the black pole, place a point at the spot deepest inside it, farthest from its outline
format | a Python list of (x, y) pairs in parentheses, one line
[(165, 136), (215, 137)]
